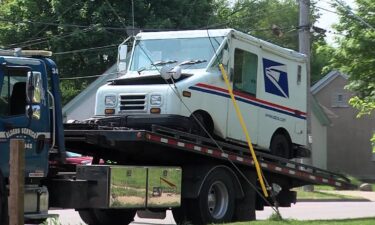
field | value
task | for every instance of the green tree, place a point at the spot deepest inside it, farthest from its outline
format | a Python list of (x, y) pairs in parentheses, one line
[(355, 55), (276, 22), (321, 56), (64, 26)]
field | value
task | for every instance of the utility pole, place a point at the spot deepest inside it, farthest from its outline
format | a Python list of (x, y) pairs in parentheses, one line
[(305, 48)]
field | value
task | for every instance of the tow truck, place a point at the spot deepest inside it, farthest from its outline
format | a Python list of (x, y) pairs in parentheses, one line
[(200, 179)]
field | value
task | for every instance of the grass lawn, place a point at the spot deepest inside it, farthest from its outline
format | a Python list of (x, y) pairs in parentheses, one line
[(365, 221), (319, 194)]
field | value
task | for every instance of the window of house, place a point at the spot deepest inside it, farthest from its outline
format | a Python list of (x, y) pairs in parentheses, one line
[(339, 100), (245, 71)]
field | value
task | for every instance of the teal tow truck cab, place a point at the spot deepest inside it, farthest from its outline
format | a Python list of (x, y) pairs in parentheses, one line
[(27, 106)]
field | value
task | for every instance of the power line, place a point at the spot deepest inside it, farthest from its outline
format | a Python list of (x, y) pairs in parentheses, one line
[(85, 49), (61, 24), (40, 40), (87, 77), (114, 11), (351, 13), (327, 10), (63, 13), (46, 39)]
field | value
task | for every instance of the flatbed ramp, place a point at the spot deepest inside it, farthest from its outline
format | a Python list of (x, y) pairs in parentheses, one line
[(165, 145)]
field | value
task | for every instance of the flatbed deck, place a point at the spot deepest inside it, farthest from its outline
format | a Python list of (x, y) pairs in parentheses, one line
[(172, 147)]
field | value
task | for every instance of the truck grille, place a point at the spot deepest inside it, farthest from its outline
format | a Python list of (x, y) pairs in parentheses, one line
[(133, 103)]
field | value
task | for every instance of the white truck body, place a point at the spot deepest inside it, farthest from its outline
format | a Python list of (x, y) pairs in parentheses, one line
[(269, 83)]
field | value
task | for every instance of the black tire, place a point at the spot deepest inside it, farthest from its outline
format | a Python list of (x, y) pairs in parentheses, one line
[(216, 201), (280, 146), (197, 126), (4, 218), (182, 215), (88, 216), (179, 215), (107, 216)]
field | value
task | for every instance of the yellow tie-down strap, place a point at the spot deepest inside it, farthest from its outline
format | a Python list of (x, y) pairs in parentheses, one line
[(239, 115)]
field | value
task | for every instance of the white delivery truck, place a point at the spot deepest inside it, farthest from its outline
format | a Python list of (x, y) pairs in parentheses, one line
[(168, 76)]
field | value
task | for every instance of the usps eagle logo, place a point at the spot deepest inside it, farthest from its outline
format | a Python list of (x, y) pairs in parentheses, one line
[(275, 78)]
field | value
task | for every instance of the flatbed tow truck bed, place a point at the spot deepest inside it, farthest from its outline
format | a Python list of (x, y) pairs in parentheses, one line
[(206, 181), (167, 146)]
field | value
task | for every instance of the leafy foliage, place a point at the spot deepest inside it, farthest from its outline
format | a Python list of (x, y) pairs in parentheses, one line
[(276, 22), (69, 25), (64, 26), (355, 55)]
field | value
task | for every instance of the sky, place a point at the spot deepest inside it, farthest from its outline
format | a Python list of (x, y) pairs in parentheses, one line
[(327, 19)]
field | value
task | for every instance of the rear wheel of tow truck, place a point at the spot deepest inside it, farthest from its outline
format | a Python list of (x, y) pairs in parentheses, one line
[(216, 201), (3, 201), (183, 215), (107, 216), (280, 146)]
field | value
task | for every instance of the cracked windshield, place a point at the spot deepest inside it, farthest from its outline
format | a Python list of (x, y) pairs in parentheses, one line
[(193, 53)]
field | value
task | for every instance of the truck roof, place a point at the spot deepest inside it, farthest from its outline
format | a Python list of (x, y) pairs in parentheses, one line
[(25, 53), (183, 34), (285, 52)]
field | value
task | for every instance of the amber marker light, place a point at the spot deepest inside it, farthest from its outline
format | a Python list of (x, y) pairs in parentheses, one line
[(186, 94), (109, 111), (155, 110)]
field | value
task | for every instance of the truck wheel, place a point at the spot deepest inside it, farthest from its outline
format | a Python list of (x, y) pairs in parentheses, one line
[(280, 146), (107, 216), (88, 216), (205, 121), (3, 202), (182, 214), (216, 201)]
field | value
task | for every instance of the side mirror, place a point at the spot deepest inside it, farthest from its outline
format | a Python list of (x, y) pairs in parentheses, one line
[(165, 72), (225, 58), (34, 94), (30, 87), (122, 53), (168, 72), (34, 87), (176, 72)]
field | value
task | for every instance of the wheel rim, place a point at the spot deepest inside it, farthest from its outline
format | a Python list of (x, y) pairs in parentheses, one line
[(218, 200)]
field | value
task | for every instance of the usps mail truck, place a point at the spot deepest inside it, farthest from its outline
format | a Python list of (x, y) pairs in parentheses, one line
[(167, 77)]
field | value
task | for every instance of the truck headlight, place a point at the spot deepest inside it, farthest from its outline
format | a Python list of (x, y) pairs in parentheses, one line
[(155, 100), (110, 100)]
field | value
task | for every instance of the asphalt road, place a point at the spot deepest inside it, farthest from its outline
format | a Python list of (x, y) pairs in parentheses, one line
[(300, 211)]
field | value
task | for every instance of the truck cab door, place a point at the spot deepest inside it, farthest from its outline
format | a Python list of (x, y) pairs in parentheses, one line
[(21, 120), (244, 75)]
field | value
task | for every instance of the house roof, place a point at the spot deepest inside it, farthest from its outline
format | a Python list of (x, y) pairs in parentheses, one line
[(91, 89), (326, 80)]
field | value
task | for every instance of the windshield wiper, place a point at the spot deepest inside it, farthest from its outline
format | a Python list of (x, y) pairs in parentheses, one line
[(155, 64), (162, 63), (192, 62)]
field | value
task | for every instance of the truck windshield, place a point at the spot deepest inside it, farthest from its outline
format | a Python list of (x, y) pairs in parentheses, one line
[(153, 54)]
